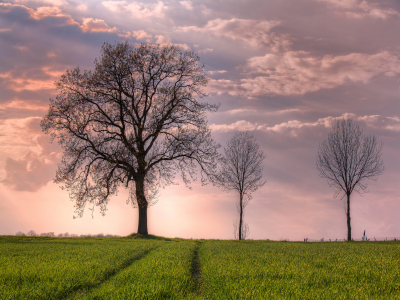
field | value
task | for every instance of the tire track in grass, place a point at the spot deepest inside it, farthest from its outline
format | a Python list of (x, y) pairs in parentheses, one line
[(79, 290), (196, 274)]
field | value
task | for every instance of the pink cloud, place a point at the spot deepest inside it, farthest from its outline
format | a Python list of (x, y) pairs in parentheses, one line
[(187, 4), (291, 126), (23, 104), (163, 40), (28, 173), (40, 12), (297, 73), (96, 25), (28, 157), (137, 10), (51, 2), (253, 32), (361, 9), (23, 82)]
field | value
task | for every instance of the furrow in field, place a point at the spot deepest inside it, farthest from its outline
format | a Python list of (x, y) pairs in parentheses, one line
[(50, 268), (196, 274), (79, 290), (166, 273)]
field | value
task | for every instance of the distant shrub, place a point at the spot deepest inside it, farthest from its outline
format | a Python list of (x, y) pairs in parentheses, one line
[(31, 233)]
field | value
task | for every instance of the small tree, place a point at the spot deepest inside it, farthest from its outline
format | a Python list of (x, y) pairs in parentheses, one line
[(241, 170), (347, 158), (135, 121)]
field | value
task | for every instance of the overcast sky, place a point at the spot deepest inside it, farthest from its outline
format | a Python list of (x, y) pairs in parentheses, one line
[(282, 70)]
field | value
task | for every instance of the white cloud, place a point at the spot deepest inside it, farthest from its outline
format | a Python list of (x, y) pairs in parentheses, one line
[(96, 25), (137, 10), (297, 73), (361, 9), (254, 33)]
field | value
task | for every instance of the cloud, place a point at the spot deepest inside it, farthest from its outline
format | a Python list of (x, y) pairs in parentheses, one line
[(162, 40), (139, 35), (216, 72), (51, 2), (241, 125), (187, 4), (82, 7), (40, 12), (96, 25), (361, 9), (292, 127), (28, 173), (252, 32), (297, 73), (30, 161), (137, 10), (21, 104), (24, 82)]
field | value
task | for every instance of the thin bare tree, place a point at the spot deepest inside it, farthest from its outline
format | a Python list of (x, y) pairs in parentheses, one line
[(241, 170), (135, 121), (245, 230), (347, 158)]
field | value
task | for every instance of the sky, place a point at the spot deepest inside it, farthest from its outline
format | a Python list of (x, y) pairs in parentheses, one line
[(281, 70)]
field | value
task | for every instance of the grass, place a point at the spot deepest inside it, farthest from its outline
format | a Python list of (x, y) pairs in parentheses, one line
[(53, 268), (276, 270), (153, 267)]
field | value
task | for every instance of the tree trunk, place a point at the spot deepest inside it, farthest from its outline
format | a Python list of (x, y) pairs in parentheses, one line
[(240, 216), (142, 205), (348, 218)]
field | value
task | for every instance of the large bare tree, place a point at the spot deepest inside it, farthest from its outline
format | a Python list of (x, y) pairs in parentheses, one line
[(347, 158), (241, 170), (135, 121)]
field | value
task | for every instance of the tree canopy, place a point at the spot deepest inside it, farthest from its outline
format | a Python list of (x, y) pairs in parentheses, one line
[(134, 121), (348, 158)]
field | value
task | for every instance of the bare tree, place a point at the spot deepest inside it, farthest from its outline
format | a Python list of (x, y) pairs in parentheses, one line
[(241, 170), (347, 158), (134, 121)]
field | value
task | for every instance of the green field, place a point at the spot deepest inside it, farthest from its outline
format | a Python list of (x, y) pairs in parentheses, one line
[(157, 268)]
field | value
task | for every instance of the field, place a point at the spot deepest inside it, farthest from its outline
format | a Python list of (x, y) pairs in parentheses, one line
[(158, 268)]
